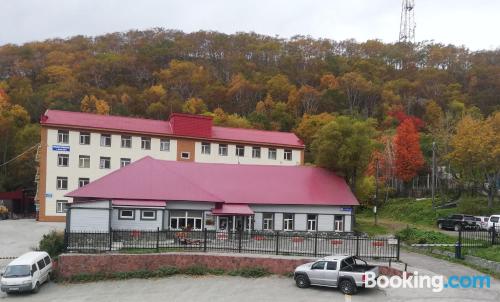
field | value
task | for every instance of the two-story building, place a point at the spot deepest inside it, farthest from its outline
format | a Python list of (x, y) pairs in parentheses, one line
[(77, 148)]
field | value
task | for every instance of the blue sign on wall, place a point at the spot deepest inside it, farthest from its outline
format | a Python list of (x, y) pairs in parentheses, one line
[(48, 195), (346, 209), (60, 148)]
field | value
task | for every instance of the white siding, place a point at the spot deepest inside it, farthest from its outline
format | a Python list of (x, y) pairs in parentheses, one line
[(198, 206), (104, 204), (300, 222), (348, 223), (278, 221), (136, 223), (89, 220), (325, 223), (303, 209), (258, 221)]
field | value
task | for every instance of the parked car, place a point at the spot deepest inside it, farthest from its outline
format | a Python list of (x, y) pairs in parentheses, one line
[(341, 271), (457, 222), (26, 273), (482, 222), (494, 220)]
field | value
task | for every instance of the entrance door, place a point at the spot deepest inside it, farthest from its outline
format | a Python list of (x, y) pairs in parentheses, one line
[(238, 223), (223, 223)]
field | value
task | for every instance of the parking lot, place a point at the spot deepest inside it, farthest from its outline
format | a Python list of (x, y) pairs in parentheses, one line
[(17, 237)]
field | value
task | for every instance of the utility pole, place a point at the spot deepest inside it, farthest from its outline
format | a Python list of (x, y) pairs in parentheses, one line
[(433, 183), (375, 210), (407, 24)]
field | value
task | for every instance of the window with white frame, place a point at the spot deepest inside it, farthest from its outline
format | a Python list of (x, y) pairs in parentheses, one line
[(61, 206), (124, 162), (288, 221), (205, 148), (62, 183), (312, 221), (84, 161), (256, 152), (148, 214), (145, 143), (287, 155), (84, 138), (338, 223), (105, 163), (126, 214), (63, 160), (180, 220), (267, 221), (164, 144), (63, 137), (106, 140), (222, 150), (126, 141), (271, 153), (83, 182), (240, 150)]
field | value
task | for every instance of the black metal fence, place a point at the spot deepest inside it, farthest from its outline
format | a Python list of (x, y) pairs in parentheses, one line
[(257, 242), (469, 239)]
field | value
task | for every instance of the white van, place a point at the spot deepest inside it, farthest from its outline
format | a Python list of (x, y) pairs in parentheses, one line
[(494, 220), (26, 273)]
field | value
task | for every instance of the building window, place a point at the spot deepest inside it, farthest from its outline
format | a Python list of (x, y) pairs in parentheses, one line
[(205, 148), (84, 161), (288, 154), (62, 183), (240, 151), (63, 136), (312, 222), (164, 145), (338, 224), (148, 215), (83, 182), (84, 138), (272, 153), (223, 150), (126, 141), (180, 220), (124, 162), (185, 155), (267, 221), (61, 206), (126, 214), (106, 140), (105, 163), (145, 143), (63, 160), (256, 152), (288, 222)]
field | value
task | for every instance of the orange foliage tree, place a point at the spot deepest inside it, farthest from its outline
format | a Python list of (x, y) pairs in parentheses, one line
[(409, 158)]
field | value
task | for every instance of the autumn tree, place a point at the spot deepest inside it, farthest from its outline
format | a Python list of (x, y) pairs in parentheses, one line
[(309, 125), (194, 106), (409, 158), (356, 88), (344, 146), (279, 87), (94, 105)]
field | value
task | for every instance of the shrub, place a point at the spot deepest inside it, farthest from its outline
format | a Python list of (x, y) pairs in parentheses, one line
[(253, 272), (196, 270), (414, 235), (52, 243)]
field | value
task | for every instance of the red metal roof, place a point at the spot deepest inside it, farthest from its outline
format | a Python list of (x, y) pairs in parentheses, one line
[(185, 126), (232, 209), (151, 179), (12, 195)]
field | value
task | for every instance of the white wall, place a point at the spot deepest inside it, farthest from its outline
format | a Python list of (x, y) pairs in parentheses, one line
[(85, 219), (231, 157)]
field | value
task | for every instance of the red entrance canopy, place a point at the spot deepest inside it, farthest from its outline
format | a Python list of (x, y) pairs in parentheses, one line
[(233, 209)]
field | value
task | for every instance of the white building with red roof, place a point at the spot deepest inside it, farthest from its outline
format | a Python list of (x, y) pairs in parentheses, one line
[(77, 148), (153, 194)]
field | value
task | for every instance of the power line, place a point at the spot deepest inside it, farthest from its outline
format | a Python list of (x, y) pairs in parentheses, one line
[(18, 156)]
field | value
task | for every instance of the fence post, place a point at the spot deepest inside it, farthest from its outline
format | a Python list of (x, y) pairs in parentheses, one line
[(158, 239), (315, 244), (240, 234), (205, 239), (277, 242), (110, 239), (458, 245), (357, 245), (398, 248), (66, 240), (493, 234)]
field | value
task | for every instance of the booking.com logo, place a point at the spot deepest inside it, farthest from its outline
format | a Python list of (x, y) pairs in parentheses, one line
[(436, 283)]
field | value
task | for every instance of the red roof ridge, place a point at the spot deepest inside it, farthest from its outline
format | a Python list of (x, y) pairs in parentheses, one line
[(205, 117), (106, 115)]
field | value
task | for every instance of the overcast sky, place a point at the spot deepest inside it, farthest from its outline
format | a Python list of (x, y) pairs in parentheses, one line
[(473, 23)]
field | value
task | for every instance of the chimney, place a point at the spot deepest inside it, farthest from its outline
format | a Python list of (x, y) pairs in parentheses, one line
[(191, 125)]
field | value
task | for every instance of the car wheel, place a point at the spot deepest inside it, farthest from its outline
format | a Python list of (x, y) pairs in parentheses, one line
[(440, 226), (36, 288), (302, 281), (457, 227), (347, 287)]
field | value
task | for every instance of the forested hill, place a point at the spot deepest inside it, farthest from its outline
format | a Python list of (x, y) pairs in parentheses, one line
[(246, 80)]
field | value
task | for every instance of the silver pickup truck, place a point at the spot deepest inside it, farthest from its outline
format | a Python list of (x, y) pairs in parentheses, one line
[(342, 271)]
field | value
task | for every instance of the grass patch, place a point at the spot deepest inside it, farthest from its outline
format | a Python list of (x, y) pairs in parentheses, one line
[(418, 236), (489, 253), (254, 272), (367, 226)]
